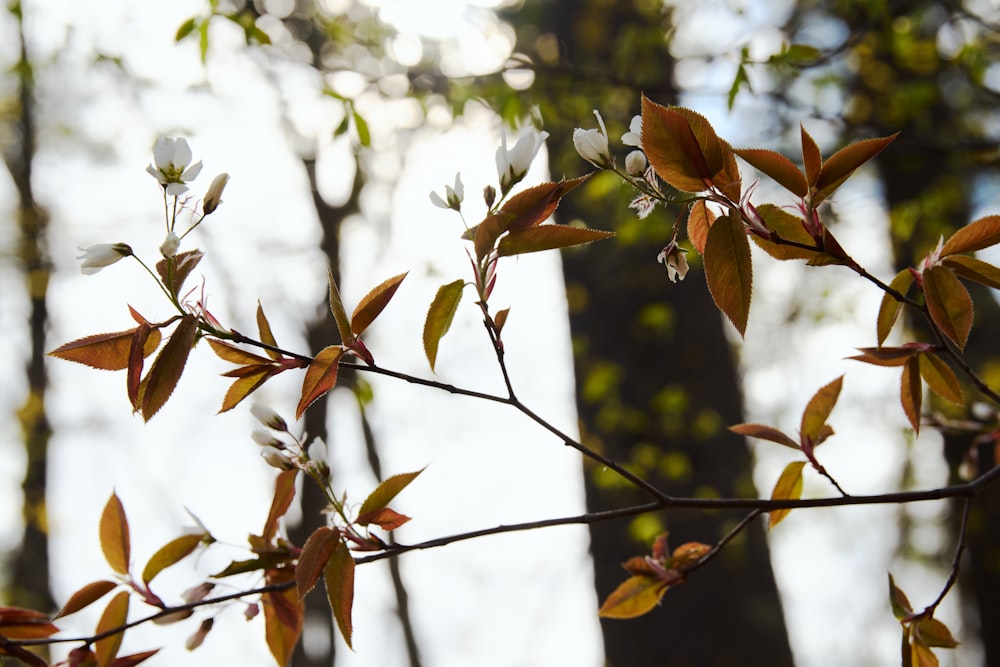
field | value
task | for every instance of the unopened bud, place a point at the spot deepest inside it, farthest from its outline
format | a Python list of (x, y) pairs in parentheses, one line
[(214, 195), (268, 417), (489, 195), (277, 458), (170, 244), (635, 163)]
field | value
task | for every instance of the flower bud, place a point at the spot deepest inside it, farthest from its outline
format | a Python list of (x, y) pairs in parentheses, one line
[(97, 256), (592, 145), (170, 244), (268, 417), (214, 195), (276, 458), (635, 163), (489, 195)]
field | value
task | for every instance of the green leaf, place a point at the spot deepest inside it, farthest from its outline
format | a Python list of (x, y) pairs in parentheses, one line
[(203, 41), (764, 433), (948, 303), (339, 312), (739, 81), (889, 309), (115, 615), (901, 608), (911, 392), (171, 553), (361, 125), (338, 575), (788, 487), (168, 366), (728, 271), (186, 28), (974, 269), (547, 237), (634, 597), (778, 167), (790, 228), (387, 490), (321, 377), (115, 542), (374, 303), (940, 378), (976, 235), (440, 316), (819, 408)]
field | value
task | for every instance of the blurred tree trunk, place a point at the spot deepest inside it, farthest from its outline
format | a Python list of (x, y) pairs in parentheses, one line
[(656, 380), (29, 567)]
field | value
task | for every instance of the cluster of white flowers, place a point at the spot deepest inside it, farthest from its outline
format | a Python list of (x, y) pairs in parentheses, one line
[(283, 455)]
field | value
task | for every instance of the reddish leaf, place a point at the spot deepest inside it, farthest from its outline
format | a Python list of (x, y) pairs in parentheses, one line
[(842, 164), (440, 316), (634, 597), (315, 554), (134, 658), (339, 312), (940, 378), (500, 319), (374, 303), (889, 309), (487, 233), (547, 237), (901, 608), (233, 354), (682, 146), (699, 221), (688, 554), (974, 269), (819, 408), (86, 596), (935, 633), (115, 535), (911, 392), (976, 235), (778, 167), (174, 271), (790, 228), (264, 329), (338, 575), (948, 303), (115, 615), (169, 366), (788, 487), (764, 433), (728, 271), (108, 351), (387, 490), (812, 160), (385, 518), (250, 378), (284, 491), (137, 352), (171, 553), (283, 614), (321, 377), (641, 566), (534, 205), (18, 623), (886, 356)]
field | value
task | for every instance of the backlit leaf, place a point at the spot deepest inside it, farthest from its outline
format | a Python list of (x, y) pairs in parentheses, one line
[(488, 231), (634, 597), (819, 408), (186, 28), (534, 206), (115, 615), (688, 554), (321, 377), (374, 303), (547, 237), (699, 221), (387, 490), (935, 633), (18, 623), (842, 164), (500, 319), (777, 167), (681, 146), (790, 228), (339, 312), (134, 658), (264, 329), (788, 487), (108, 351), (315, 554), (249, 379), (922, 655), (385, 518), (86, 596), (728, 271), (889, 309), (976, 235), (764, 433), (139, 350), (948, 303), (885, 356), (233, 354), (114, 533), (338, 575), (361, 125), (168, 366), (911, 392), (174, 271), (940, 378), (812, 160), (283, 615), (171, 553), (284, 491), (440, 316), (974, 269)]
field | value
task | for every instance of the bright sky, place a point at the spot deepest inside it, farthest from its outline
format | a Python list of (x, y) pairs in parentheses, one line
[(500, 601)]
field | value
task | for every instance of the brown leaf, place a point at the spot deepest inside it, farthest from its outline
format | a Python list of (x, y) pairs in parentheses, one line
[(935, 633), (889, 309), (315, 554), (387, 490), (339, 312), (976, 235), (634, 597), (264, 329), (440, 316), (790, 228), (107, 352), (897, 601), (283, 615), (134, 658), (764, 433), (534, 206), (137, 353), (974, 269), (812, 160), (321, 377), (886, 356), (681, 146), (728, 271), (115, 615), (168, 366), (688, 554), (487, 233), (17, 623), (819, 408), (778, 167), (114, 533), (699, 221), (86, 596), (547, 237), (948, 303), (233, 354), (788, 487), (385, 518), (284, 491), (171, 553), (940, 378), (842, 164), (249, 380), (374, 303), (338, 575), (911, 392)]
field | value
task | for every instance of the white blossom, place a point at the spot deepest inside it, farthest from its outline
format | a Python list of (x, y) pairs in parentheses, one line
[(214, 195), (171, 160), (277, 458), (634, 135), (675, 260), (268, 417), (453, 196), (513, 164), (99, 255), (170, 244), (592, 145)]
